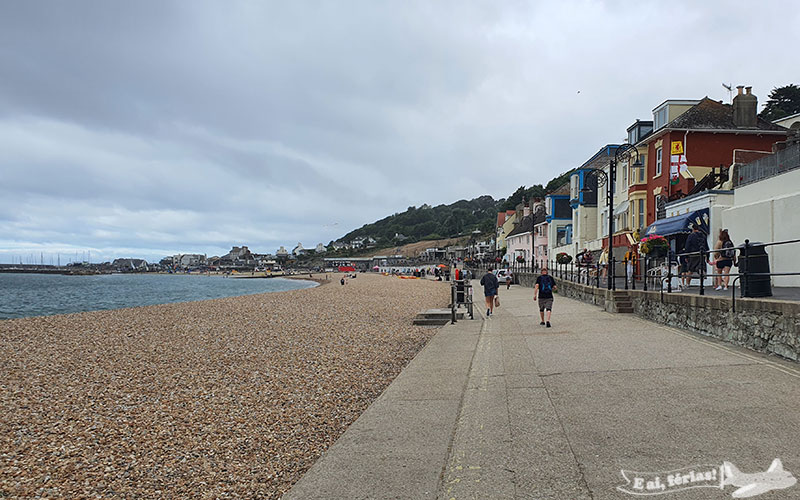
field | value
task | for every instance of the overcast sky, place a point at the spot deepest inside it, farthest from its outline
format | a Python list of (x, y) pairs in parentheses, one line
[(144, 129)]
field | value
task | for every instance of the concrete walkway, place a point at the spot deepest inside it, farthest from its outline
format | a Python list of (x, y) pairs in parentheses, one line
[(506, 408)]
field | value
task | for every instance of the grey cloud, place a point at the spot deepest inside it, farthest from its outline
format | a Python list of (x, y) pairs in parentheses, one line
[(190, 125)]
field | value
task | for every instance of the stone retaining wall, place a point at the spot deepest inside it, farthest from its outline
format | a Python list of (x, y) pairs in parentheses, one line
[(764, 325)]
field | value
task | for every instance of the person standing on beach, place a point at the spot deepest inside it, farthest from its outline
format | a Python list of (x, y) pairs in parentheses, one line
[(342, 281), (543, 291), (490, 286)]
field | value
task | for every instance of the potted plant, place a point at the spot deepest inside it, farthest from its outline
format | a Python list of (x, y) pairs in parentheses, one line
[(563, 258), (520, 259), (654, 246)]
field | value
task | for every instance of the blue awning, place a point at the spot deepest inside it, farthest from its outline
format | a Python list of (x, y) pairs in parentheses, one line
[(679, 224)]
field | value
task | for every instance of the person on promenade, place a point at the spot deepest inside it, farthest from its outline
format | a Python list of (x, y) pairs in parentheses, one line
[(603, 261), (725, 256), (490, 286), (543, 293), (629, 256), (508, 279), (695, 243)]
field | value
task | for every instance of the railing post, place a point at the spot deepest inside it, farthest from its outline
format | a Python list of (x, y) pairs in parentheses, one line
[(453, 303), (702, 272), (644, 273), (597, 277), (625, 265), (612, 277), (633, 271), (669, 271), (745, 281)]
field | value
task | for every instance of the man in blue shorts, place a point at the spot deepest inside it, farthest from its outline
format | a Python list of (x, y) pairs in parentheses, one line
[(490, 285)]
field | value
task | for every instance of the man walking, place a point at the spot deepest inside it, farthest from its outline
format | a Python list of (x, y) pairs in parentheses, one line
[(490, 286), (543, 290)]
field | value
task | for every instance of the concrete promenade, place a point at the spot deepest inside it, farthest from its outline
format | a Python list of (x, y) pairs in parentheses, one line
[(503, 408)]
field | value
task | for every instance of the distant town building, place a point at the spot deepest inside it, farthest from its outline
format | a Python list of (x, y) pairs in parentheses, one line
[(282, 252), (129, 265), (320, 248), (238, 253)]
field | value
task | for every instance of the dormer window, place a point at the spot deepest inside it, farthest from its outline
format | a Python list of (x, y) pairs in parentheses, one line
[(660, 118)]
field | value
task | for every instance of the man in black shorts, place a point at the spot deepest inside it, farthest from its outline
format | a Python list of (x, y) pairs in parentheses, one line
[(545, 285)]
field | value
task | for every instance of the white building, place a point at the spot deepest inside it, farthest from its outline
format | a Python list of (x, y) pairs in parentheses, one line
[(764, 211)]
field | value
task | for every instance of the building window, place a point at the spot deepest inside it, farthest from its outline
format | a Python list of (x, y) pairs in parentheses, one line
[(641, 213), (660, 118), (643, 169), (658, 162)]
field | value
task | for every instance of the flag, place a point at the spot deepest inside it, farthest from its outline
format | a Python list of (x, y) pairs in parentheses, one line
[(677, 164)]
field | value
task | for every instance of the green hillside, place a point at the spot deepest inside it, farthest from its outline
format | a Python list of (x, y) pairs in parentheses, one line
[(448, 221)]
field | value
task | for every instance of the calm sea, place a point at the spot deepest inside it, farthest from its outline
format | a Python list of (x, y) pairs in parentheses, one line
[(24, 295)]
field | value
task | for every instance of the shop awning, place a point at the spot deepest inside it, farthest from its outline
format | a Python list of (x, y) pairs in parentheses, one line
[(680, 224)]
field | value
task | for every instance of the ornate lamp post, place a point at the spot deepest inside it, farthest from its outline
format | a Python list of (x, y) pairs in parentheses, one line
[(607, 179)]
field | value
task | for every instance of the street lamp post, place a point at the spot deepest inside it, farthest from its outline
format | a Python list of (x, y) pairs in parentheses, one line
[(607, 179), (533, 238)]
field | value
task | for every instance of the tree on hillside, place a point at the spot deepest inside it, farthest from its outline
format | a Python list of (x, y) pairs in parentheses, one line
[(558, 182), (783, 101), (513, 200), (535, 192)]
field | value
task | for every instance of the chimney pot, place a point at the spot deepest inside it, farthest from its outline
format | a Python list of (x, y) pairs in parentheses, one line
[(748, 89), (739, 89)]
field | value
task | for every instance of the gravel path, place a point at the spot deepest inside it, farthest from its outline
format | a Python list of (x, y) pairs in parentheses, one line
[(227, 398)]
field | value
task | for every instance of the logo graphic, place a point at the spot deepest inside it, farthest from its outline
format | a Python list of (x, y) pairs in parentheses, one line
[(708, 476)]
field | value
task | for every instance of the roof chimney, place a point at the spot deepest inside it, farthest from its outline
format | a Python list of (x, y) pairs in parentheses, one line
[(745, 108)]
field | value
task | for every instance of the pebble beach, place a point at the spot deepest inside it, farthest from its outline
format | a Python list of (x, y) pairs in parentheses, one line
[(225, 398)]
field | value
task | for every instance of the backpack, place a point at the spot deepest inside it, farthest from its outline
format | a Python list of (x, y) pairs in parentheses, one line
[(731, 252)]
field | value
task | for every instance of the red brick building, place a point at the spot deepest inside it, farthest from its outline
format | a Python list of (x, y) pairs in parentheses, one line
[(703, 138)]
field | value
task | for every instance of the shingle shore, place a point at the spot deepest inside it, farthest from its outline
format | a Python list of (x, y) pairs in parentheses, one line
[(226, 398)]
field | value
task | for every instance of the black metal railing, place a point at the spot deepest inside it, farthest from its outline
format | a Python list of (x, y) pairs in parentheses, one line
[(747, 277)]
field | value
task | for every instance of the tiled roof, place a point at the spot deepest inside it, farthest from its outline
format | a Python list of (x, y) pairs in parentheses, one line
[(523, 227), (563, 189), (501, 218), (711, 114)]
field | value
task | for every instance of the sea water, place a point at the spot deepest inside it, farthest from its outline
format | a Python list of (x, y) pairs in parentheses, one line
[(24, 295)]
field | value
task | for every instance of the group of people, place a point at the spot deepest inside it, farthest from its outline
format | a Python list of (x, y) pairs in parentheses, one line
[(542, 293), (722, 257)]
